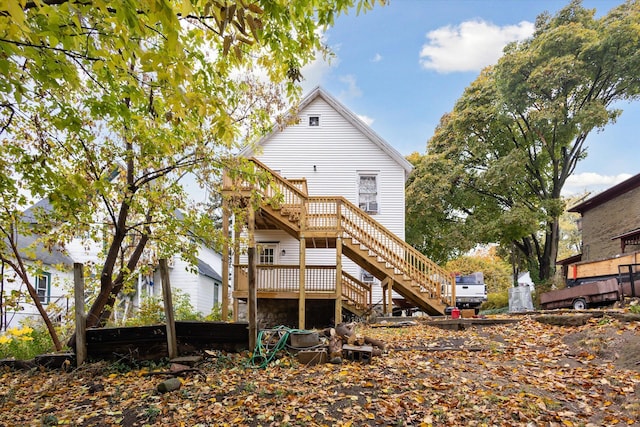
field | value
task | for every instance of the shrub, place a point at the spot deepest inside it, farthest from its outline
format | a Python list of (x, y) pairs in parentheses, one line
[(25, 342), (496, 300)]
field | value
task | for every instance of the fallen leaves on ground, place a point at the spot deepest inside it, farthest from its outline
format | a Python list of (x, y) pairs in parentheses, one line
[(525, 373)]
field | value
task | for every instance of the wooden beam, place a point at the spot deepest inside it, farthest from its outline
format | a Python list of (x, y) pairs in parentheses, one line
[(301, 293), (338, 311), (236, 261), (81, 319), (252, 300), (390, 295), (172, 341), (225, 259)]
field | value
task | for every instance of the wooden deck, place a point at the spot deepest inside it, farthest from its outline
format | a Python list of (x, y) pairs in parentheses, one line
[(335, 222)]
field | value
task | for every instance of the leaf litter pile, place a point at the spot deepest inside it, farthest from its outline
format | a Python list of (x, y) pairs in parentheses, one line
[(524, 373)]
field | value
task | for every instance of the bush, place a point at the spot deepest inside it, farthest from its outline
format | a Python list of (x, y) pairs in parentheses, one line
[(496, 300), (25, 342)]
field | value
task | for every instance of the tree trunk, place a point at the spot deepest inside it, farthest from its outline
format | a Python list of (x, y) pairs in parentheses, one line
[(548, 259)]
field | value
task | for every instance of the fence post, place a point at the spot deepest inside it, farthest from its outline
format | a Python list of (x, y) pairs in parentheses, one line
[(81, 320), (172, 342)]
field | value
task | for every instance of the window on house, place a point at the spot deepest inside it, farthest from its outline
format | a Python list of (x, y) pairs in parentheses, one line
[(267, 253), (43, 287), (368, 193), (216, 292), (314, 120)]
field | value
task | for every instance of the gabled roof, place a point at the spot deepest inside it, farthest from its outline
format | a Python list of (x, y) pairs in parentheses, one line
[(354, 120), (208, 271), (607, 195), (29, 243)]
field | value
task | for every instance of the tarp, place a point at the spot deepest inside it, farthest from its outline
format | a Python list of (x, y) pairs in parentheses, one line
[(520, 299)]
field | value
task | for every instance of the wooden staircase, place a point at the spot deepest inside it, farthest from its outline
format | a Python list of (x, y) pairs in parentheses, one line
[(329, 221)]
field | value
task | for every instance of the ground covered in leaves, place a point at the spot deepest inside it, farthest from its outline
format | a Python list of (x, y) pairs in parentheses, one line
[(525, 373)]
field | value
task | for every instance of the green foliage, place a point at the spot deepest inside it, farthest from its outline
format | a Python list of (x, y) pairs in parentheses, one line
[(635, 309), (25, 343), (151, 310), (497, 163), (496, 300), (106, 106), (216, 313), (496, 272)]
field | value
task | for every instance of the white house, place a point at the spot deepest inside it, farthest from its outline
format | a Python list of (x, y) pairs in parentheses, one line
[(337, 154), (203, 284), (330, 152)]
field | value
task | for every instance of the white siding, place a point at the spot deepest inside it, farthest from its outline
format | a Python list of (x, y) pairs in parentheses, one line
[(339, 152), (331, 157), (61, 282)]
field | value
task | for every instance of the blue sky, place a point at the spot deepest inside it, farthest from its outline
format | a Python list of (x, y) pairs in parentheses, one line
[(402, 66)]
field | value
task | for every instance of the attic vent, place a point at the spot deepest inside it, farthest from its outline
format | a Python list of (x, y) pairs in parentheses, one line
[(314, 120)]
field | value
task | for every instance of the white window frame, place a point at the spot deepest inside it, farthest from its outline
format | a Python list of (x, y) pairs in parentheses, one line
[(268, 246), (371, 207), (317, 118), (44, 292)]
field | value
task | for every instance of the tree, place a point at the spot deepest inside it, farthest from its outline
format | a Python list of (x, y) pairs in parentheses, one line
[(496, 272), (106, 105), (496, 165)]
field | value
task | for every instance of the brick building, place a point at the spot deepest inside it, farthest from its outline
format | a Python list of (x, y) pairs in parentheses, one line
[(611, 221)]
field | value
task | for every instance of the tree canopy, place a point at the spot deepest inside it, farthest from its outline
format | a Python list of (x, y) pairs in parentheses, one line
[(496, 165), (106, 105)]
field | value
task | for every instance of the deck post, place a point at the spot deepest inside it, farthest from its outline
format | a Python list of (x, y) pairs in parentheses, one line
[(252, 299), (225, 259), (338, 313), (302, 296), (236, 262), (390, 295)]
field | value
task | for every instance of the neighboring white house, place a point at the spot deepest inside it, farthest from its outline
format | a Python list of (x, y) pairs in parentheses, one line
[(52, 282), (338, 155), (203, 284)]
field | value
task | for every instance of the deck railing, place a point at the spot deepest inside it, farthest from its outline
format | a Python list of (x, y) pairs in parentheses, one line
[(318, 279), (337, 213), (340, 216)]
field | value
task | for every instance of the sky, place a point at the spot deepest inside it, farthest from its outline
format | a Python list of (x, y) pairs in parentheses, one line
[(400, 67)]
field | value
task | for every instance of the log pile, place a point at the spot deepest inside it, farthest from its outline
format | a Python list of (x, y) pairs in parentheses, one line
[(343, 343)]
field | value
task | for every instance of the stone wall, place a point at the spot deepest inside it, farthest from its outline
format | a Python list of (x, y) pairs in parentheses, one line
[(277, 312), (608, 220)]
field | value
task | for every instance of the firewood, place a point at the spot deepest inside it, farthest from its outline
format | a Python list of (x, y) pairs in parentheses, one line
[(335, 347), (374, 342), (345, 329)]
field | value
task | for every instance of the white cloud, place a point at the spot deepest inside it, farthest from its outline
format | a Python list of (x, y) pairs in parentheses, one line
[(315, 73), (377, 58), (352, 90), (591, 182), (368, 120), (470, 46)]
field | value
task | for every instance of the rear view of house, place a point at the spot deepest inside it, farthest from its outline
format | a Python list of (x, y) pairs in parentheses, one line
[(334, 239)]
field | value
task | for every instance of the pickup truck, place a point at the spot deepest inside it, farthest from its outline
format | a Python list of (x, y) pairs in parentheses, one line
[(471, 291)]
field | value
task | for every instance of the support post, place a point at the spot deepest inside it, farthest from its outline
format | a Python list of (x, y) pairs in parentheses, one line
[(81, 319), (390, 295), (338, 312), (172, 342), (236, 262), (302, 294), (225, 259), (252, 299)]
